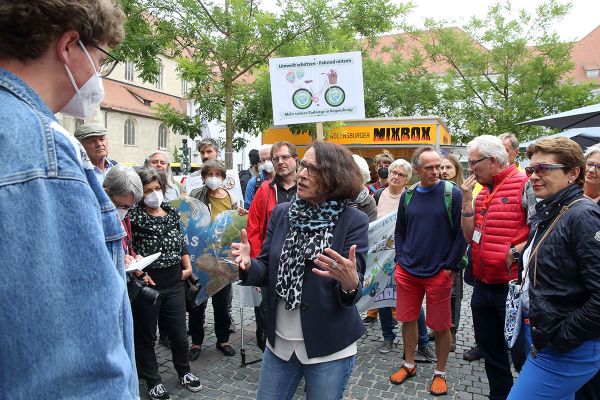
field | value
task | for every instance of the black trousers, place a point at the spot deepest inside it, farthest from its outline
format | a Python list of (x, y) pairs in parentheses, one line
[(456, 298), (222, 318), (170, 307), (488, 306)]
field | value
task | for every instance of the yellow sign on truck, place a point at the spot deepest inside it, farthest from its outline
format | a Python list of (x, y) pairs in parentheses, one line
[(367, 137)]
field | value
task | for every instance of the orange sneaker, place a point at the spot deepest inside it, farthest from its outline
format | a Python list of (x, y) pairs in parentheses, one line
[(439, 387), (403, 374)]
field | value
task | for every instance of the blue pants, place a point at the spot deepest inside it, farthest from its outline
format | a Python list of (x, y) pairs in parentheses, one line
[(556, 376), (387, 325), (279, 379)]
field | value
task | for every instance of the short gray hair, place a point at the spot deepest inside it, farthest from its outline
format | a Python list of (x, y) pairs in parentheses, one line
[(416, 158), (591, 150), (265, 147), (404, 164), (514, 142), (208, 142), (122, 180), (149, 175), (170, 180), (489, 146)]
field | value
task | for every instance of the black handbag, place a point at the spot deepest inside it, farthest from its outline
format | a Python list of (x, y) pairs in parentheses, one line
[(192, 290)]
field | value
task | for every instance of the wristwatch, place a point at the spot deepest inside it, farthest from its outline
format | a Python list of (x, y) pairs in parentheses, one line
[(515, 254)]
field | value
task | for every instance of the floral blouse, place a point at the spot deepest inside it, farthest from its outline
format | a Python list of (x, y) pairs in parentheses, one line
[(153, 234)]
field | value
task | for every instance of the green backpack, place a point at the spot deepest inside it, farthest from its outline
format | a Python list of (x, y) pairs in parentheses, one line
[(448, 185)]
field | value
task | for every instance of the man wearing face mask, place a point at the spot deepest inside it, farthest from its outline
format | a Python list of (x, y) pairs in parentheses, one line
[(94, 139), (62, 233), (218, 200), (266, 172)]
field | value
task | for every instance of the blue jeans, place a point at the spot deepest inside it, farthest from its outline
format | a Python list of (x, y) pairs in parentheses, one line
[(387, 325), (279, 379), (554, 375)]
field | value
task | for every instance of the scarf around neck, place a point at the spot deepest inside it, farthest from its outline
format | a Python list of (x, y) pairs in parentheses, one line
[(310, 233)]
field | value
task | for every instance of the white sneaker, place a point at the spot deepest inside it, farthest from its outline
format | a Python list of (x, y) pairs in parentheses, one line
[(159, 392), (190, 382)]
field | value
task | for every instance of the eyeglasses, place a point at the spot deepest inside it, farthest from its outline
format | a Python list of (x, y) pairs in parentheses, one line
[(398, 174), (592, 165), (106, 66), (311, 169), (282, 158), (542, 169), (474, 162)]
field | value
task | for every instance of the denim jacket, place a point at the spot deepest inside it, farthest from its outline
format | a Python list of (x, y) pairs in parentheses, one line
[(66, 329)]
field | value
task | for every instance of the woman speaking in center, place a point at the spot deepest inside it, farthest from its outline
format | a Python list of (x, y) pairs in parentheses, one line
[(312, 261)]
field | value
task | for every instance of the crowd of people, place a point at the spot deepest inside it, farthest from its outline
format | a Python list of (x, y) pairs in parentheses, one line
[(78, 326)]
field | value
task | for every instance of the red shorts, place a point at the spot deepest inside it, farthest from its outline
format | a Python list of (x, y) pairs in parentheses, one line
[(409, 298)]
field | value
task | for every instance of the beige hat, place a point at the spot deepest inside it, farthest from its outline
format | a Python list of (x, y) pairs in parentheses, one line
[(89, 130), (363, 167)]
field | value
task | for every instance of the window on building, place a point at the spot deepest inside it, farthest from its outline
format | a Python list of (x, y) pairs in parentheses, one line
[(163, 133), (129, 71), (159, 79), (129, 132), (184, 87), (592, 73)]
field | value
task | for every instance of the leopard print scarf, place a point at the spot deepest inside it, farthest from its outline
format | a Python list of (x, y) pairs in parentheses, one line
[(310, 233)]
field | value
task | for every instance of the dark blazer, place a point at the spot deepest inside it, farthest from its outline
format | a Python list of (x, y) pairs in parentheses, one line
[(329, 324)]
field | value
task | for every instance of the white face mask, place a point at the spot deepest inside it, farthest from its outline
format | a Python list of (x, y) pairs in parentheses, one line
[(214, 182), (88, 97), (154, 199), (266, 166), (122, 213)]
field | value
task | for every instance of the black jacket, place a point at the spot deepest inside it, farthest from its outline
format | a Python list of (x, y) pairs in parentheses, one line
[(564, 289), (329, 323)]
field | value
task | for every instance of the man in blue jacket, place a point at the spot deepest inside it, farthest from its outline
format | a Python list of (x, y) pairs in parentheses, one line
[(65, 316), (429, 246)]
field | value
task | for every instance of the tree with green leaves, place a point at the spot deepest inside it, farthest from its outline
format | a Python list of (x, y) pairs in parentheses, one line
[(503, 69), (223, 46)]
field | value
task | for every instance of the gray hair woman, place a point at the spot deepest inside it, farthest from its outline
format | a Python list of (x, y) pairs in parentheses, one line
[(591, 185), (160, 160), (313, 261), (124, 188)]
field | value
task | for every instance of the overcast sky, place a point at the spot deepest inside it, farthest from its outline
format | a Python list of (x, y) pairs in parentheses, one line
[(581, 20)]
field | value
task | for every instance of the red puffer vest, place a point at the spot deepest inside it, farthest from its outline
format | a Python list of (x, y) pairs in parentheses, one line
[(503, 224)]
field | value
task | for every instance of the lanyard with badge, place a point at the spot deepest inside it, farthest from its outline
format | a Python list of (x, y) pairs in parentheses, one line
[(480, 217)]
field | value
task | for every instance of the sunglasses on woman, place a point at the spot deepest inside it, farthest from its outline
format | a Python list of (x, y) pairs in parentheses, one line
[(542, 169)]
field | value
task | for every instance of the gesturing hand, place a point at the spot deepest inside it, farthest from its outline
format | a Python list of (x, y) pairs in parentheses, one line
[(241, 251), (467, 187), (339, 268)]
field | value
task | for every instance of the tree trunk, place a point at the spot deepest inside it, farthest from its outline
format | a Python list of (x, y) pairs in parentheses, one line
[(228, 122)]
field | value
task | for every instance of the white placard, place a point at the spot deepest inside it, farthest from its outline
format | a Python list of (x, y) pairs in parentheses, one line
[(318, 88)]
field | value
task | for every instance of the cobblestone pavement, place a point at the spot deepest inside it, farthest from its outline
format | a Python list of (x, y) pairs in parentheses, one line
[(223, 378)]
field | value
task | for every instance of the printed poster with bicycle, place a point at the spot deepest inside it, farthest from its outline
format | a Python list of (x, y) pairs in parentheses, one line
[(318, 88)]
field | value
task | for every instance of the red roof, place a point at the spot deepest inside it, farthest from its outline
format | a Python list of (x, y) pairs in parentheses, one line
[(586, 55), (128, 98)]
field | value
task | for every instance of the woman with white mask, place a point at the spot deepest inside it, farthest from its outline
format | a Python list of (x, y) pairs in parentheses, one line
[(156, 228), (218, 200)]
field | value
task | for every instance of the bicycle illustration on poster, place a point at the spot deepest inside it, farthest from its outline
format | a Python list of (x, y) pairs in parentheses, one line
[(305, 95)]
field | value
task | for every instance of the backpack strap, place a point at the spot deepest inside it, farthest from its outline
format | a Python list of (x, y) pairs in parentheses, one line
[(408, 194), (448, 185), (377, 195)]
